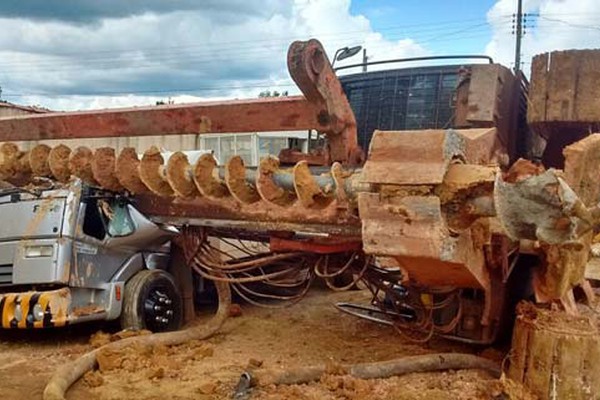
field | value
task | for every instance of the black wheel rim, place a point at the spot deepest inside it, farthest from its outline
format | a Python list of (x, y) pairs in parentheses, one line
[(160, 309)]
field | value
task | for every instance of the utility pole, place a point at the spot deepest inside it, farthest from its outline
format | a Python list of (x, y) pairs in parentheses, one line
[(519, 35), (365, 58)]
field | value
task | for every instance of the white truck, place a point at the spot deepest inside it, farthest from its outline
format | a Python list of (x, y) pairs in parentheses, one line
[(75, 253)]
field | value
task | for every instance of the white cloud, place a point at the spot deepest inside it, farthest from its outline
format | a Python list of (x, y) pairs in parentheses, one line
[(556, 25), (148, 53)]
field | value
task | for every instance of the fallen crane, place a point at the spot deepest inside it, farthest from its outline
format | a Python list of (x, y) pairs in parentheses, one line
[(442, 225), (432, 204)]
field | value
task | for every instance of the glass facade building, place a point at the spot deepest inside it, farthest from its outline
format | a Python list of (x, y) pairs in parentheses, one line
[(401, 99)]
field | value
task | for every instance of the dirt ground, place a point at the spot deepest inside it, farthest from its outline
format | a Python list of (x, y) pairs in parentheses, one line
[(308, 333)]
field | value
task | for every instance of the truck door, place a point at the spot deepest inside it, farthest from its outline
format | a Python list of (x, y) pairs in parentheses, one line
[(95, 260)]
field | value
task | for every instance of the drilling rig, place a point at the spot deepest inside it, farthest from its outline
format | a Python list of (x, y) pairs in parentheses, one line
[(447, 227)]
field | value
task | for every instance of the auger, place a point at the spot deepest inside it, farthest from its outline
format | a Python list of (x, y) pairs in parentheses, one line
[(172, 174)]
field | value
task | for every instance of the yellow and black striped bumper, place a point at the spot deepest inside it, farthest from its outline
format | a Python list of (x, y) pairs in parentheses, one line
[(18, 310)]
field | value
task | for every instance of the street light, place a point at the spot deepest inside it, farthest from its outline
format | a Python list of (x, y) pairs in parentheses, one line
[(345, 52)]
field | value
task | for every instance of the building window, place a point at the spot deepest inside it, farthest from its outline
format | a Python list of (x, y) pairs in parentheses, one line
[(251, 147), (271, 145), (243, 148), (212, 144), (227, 149)]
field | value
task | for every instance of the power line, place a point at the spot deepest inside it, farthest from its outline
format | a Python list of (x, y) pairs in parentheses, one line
[(188, 62), (264, 42), (184, 90), (436, 33), (159, 91), (264, 84), (193, 59), (264, 49), (435, 26), (449, 33), (581, 26)]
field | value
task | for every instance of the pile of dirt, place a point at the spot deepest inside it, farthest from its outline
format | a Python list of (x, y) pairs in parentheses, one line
[(547, 318), (101, 338), (153, 362), (459, 385)]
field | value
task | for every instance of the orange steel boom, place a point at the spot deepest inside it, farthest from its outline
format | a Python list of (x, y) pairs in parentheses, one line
[(325, 109), (286, 113)]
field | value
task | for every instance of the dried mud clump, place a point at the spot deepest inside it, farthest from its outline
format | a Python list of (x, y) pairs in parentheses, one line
[(154, 362), (8, 160), (151, 172), (127, 171), (101, 338), (309, 192), (178, 176), (267, 188), (58, 160), (235, 179), (80, 164), (103, 168), (38, 160), (521, 170), (205, 181)]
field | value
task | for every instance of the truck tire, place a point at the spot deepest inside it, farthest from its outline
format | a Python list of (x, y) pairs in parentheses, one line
[(152, 301)]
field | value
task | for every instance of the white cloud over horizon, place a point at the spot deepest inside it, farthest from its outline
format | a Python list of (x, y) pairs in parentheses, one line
[(54, 60), (77, 54), (551, 25)]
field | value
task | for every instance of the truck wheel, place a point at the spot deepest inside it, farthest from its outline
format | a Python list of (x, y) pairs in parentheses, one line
[(151, 301)]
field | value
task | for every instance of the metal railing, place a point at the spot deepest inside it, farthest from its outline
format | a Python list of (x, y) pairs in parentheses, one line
[(426, 58)]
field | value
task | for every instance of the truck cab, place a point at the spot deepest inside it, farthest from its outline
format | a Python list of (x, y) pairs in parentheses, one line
[(75, 253)]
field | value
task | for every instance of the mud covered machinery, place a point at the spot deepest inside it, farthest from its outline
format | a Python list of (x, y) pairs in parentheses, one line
[(444, 226)]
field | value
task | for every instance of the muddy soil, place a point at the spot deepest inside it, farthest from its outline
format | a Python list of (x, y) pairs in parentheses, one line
[(308, 333)]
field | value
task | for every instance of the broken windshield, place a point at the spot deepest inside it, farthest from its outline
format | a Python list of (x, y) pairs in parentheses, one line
[(118, 220)]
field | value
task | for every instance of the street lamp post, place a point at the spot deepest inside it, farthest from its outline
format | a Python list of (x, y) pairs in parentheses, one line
[(345, 52)]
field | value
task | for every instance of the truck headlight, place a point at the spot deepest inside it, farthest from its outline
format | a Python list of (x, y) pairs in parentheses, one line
[(38, 312), (39, 251), (18, 313)]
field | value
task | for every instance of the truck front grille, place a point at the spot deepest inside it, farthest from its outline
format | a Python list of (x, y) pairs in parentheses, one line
[(6, 273)]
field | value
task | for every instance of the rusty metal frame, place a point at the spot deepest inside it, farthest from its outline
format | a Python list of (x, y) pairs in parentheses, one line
[(311, 70), (268, 114), (318, 246), (324, 108)]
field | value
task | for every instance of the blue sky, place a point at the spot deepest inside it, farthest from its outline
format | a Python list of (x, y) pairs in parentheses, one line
[(430, 21)]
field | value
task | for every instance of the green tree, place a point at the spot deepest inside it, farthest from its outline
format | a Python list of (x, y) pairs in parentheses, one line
[(275, 93)]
